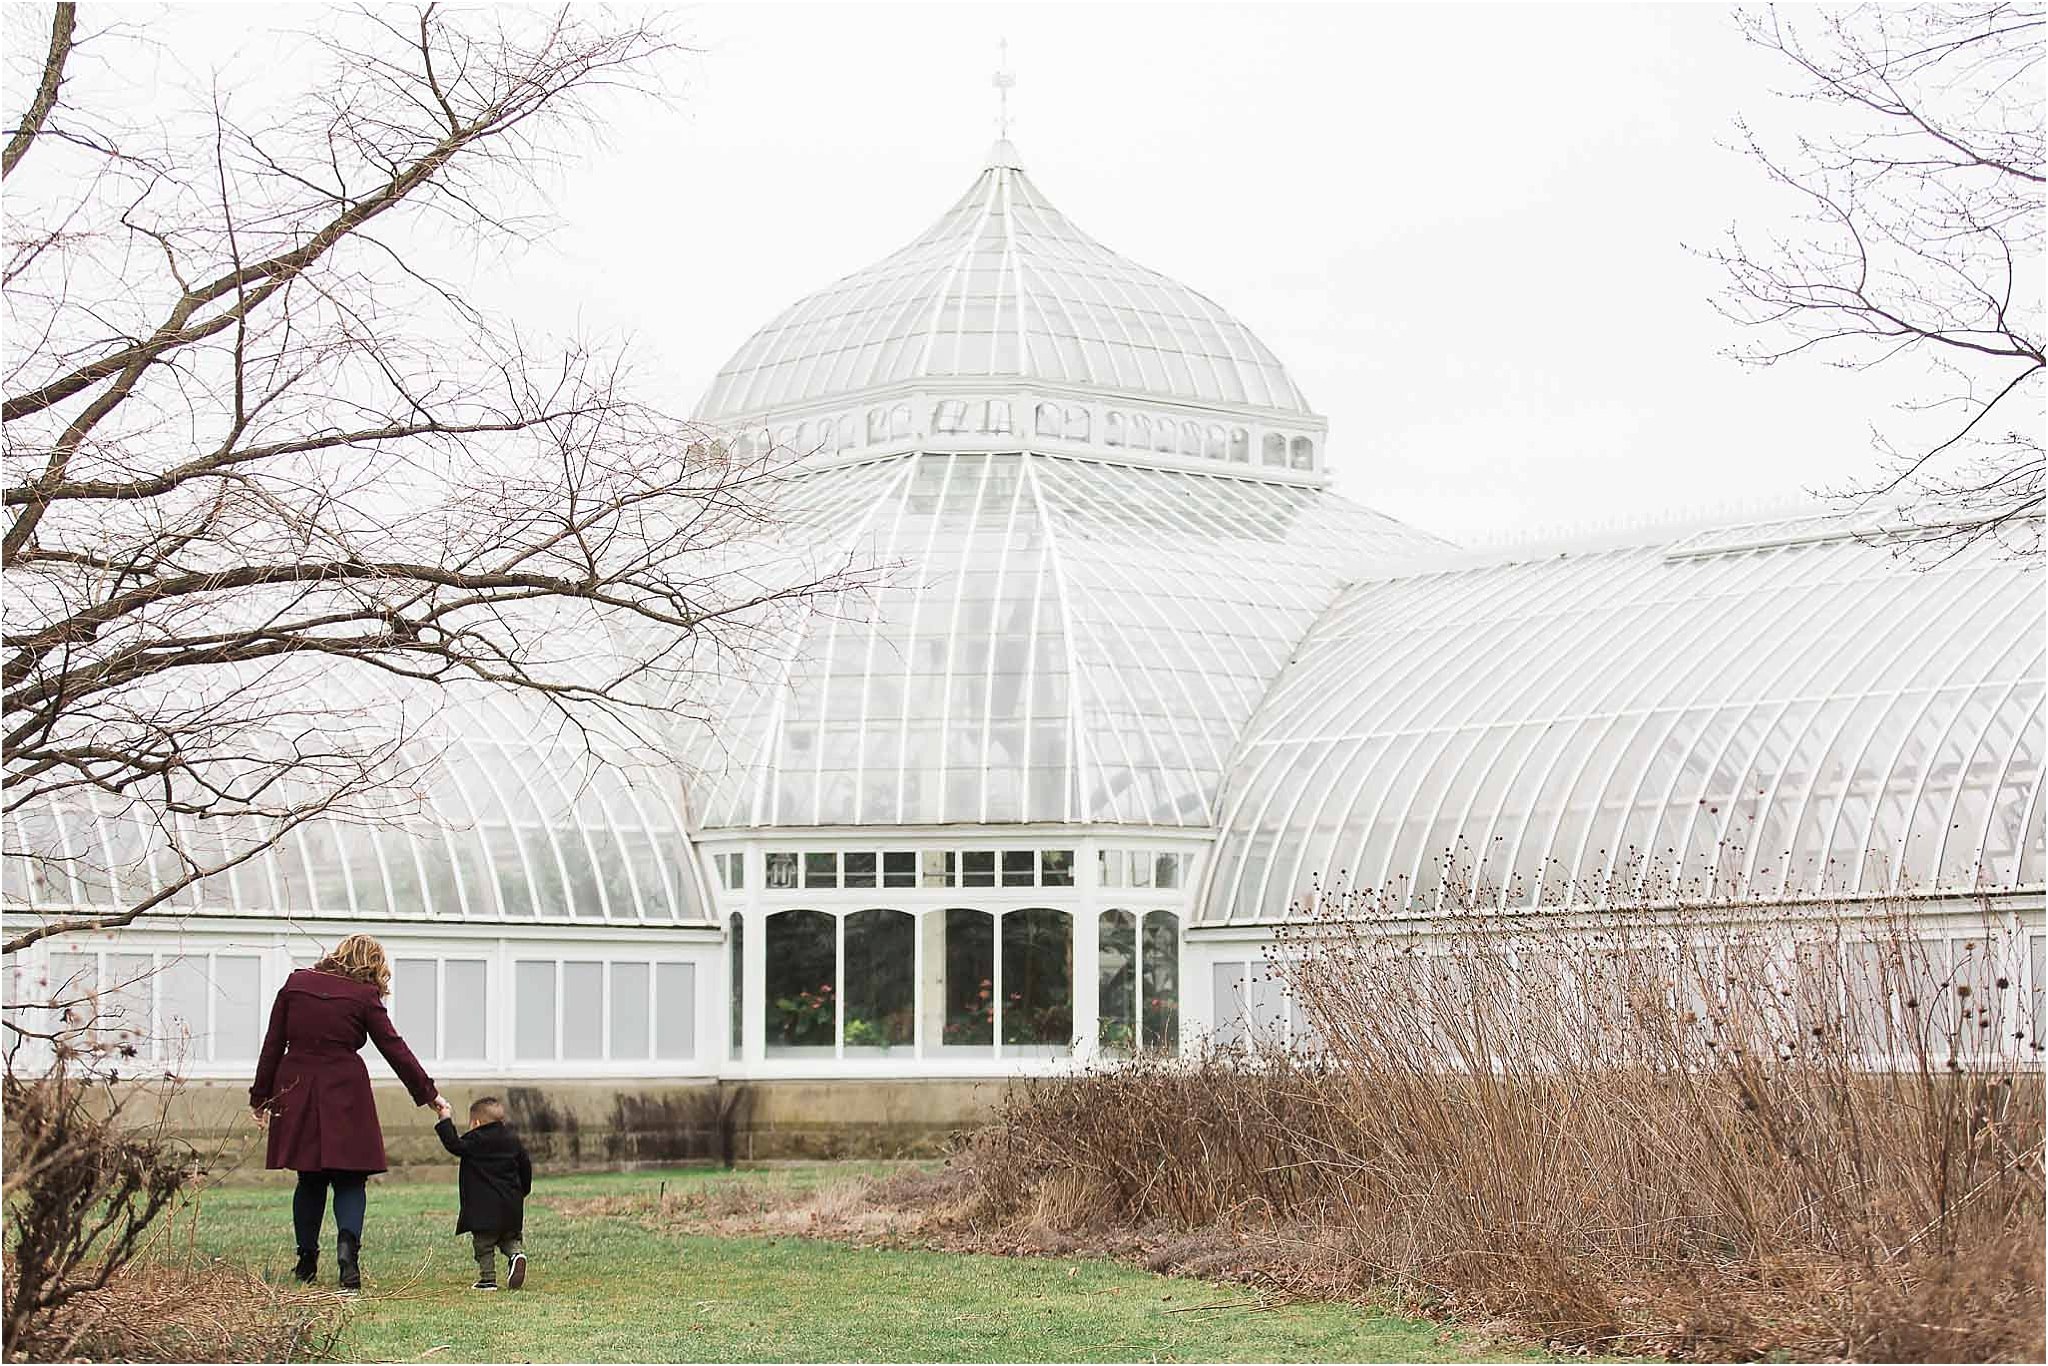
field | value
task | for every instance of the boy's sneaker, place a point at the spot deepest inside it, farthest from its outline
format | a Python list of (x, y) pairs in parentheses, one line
[(517, 1276), (485, 1285)]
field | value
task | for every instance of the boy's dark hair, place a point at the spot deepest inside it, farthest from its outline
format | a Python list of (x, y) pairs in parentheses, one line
[(486, 1110)]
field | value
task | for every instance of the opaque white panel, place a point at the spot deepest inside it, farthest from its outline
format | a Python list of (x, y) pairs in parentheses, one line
[(675, 1011), (238, 1006), (416, 1004), (466, 1015), (182, 1010), (582, 1010), (533, 999), (629, 1010)]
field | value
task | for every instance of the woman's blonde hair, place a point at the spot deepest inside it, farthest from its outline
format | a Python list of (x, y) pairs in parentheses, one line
[(361, 959)]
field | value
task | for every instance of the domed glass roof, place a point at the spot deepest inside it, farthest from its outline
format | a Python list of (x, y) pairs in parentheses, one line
[(1059, 640), (1003, 287)]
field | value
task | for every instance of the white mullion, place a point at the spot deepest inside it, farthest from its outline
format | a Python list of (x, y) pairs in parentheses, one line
[(839, 986)]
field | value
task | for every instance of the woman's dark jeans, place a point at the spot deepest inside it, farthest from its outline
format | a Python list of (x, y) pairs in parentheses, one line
[(309, 1205)]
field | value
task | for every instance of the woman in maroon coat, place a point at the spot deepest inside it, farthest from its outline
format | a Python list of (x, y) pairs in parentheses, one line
[(313, 1093)]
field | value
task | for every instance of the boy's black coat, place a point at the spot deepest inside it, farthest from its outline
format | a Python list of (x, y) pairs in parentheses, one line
[(493, 1180)]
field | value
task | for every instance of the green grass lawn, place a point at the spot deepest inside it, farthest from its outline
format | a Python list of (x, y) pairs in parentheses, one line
[(605, 1289)]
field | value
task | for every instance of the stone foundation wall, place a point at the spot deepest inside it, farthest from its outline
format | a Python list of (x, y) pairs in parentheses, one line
[(569, 1125)]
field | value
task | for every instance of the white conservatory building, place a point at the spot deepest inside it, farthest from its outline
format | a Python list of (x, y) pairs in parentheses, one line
[(1137, 682)]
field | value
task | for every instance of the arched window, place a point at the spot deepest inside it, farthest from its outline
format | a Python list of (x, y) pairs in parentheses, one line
[(1240, 446), (878, 425), (960, 969), (1212, 445), (802, 983), (950, 417), (1116, 983), (787, 440), (998, 416), (1159, 984), (899, 421), (1302, 453), (800, 444), (1048, 420), (828, 435), (1077, 424), (881, 990), (1113, 430), (1190, 439), (744, 447), (1037, 983), (1164, 440), (1141, 432), (1273, 450)]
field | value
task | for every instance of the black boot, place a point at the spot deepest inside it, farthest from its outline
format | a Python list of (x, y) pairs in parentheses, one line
[(309, 1265), (346, 1245)]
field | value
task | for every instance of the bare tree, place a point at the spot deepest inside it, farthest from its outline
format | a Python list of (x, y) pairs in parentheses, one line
[(272, 478), (1917, 246)]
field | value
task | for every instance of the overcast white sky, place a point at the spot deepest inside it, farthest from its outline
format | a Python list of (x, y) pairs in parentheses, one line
[(1462, 227)]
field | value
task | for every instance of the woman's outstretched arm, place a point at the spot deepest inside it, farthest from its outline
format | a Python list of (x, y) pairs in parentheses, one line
[(385, 1035)]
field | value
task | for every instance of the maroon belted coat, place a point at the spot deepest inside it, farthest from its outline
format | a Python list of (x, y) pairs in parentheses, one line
[(311, 1078)]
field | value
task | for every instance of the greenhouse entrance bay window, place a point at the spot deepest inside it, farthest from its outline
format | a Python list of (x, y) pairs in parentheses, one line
[(952, 984)]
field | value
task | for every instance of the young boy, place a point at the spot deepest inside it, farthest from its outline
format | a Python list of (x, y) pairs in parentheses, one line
[(493, 1180)]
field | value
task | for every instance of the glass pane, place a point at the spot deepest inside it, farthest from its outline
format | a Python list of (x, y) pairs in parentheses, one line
[(860, 868), (736, 870), (1141, 869), (899, 869), (583, 1010), (1056, 867), (1038, 983), (1116, 997), (533, 995), (736, 939), (821, 869), (415, 1004), (469, 1009), (781, 869), (1019, 867), (675, 1011), (978, 868), (960, 963), (881, 949), (1162, 981), (1166, 870), (628, 1002), (237, 1006), (802, 981), (1109, 867)]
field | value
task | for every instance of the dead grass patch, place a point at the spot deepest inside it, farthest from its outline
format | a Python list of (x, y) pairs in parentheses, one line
[(216, 1312)]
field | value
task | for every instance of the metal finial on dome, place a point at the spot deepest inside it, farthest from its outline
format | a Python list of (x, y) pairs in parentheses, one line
[(1003, 80)]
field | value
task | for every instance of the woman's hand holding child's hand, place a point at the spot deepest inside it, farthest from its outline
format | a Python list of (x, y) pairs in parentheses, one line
[(443, 1108)]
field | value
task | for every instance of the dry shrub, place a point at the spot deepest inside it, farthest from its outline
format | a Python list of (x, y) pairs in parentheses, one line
[(1629, 1132), (83, 1186), (218, 1312)]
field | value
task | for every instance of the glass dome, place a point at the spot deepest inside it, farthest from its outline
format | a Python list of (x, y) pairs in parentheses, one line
[(1003, 287), (1063, 640), (1758, 713)]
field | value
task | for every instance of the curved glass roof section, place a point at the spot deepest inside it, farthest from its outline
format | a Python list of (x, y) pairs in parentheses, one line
[(516, 816), (1003, 287), (1061, 640), (1743, 715)]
